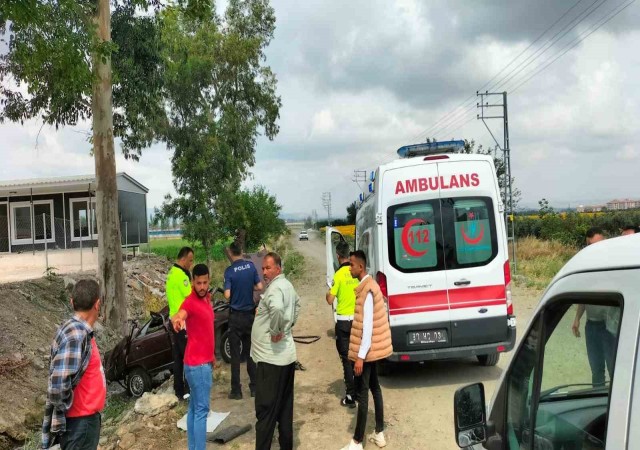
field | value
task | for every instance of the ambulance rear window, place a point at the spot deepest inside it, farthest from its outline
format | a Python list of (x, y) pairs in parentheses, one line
[(414, 229), (472, 233)]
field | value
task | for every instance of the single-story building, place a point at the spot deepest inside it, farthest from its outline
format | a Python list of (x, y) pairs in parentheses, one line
[(61, 211)]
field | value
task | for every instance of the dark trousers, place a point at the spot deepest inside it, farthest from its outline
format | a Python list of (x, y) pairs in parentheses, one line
[(82, 433), (600, 350), (178, 347), (240, 324), (343, 335), (274, 403), (366, 382)]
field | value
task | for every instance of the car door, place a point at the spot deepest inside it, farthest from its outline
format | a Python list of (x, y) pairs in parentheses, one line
[(551, 395), (332, 238), (413, 262), (151, 349), (473, 253)]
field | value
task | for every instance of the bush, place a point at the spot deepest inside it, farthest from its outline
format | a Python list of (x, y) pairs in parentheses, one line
[(539, 261), (169, 248)]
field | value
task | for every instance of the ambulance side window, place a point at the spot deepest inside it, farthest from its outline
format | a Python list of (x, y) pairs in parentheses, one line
[(470, 231), (415, 236)]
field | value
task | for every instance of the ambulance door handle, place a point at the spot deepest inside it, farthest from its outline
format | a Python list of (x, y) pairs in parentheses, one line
[(462, 283)]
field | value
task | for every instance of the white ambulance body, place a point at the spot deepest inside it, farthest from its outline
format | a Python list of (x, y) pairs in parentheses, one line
[(434, 234)]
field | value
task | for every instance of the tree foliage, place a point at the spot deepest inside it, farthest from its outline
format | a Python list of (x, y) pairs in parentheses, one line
[(352, 211), (257, 215), (220, 95)]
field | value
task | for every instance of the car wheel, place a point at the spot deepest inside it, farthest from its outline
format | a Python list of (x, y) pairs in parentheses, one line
[(138, 382), (226, 347), (489, 360)]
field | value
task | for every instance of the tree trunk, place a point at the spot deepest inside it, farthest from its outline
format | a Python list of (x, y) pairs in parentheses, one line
[(111, 272)]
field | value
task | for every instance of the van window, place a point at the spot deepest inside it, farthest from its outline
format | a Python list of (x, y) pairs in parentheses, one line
[(570, 407), (415, 236), (469, 231)]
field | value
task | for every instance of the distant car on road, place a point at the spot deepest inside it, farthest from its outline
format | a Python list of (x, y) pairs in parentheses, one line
[(303, 236)]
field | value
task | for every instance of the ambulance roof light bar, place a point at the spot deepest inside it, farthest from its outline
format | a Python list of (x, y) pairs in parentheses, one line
[(430, 148)]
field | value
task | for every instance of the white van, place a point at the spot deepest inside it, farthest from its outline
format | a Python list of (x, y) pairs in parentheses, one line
[(433, 231), (569, 388)]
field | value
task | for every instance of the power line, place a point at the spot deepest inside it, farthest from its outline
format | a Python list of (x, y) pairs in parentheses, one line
[(471, 97), (326, 203), (575, 42)]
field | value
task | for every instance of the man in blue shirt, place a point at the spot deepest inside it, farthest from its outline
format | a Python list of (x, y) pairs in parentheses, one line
[(240, 280)]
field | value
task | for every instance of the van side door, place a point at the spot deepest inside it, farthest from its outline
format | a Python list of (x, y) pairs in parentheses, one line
[(566, 388), (474, 253)]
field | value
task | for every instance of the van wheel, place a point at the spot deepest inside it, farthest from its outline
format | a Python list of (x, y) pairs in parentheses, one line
[(225, 347), (384, 368), (489, 360), (138, 382)]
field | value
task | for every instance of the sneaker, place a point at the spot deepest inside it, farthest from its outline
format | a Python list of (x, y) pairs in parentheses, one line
[(378, 439), (353, 445), (348, 402), (235, 395), (186, 396)]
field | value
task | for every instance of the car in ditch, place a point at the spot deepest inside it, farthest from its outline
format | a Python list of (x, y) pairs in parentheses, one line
[(146, 350)]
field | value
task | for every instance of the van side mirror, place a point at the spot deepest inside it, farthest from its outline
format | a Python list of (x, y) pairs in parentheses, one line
[(470, 415)]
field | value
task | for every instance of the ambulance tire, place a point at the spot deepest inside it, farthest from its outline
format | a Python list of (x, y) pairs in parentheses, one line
[(384, 368), (489, 360)]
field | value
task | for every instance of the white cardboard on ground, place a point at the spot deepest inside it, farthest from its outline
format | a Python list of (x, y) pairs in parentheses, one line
[(213, 420)]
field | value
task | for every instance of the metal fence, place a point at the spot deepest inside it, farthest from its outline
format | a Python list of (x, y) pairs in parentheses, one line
[(61, 245)]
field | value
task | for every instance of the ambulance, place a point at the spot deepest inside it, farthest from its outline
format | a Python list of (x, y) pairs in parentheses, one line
[(432, 227)]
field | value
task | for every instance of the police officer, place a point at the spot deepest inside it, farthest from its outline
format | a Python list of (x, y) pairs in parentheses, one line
[(343, 289), (178, 288), (240, 280)]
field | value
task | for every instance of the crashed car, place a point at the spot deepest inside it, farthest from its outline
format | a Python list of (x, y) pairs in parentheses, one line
[(146, 350)]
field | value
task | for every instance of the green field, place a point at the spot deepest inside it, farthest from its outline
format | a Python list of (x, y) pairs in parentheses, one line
[(169, 248)]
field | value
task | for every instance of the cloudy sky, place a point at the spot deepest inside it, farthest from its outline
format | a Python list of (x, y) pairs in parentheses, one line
[(359, 79)]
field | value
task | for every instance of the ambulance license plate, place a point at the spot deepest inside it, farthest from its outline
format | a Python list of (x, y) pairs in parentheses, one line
[(428, 337)]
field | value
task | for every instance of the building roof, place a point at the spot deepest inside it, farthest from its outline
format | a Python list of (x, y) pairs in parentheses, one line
[(51, 183)]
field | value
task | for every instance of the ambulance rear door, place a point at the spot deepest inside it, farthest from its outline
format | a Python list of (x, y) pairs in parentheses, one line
[(474, 256), (413, 263)]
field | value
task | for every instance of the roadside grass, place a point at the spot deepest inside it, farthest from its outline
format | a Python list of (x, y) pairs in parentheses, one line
[(539, 261), (292, 261), (32, 441), (169, 248), (116, 405)]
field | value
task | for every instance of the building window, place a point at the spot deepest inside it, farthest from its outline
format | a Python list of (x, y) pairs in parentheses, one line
[(84, 226), (27, 224)]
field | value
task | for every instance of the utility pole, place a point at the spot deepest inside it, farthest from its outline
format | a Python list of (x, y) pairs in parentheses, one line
[(506, 153), (326, 203), (360, 176)]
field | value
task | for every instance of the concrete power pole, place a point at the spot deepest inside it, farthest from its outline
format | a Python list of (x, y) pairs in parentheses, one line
[(326, 203)]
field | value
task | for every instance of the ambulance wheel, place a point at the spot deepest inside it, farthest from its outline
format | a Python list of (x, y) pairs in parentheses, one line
[(489, 360), (138, 382), (384, 368)]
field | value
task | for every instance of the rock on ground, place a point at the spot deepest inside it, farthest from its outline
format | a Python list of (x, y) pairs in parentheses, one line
[(154, 404)]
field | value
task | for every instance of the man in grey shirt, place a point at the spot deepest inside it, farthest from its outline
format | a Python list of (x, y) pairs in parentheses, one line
[(274, 352)]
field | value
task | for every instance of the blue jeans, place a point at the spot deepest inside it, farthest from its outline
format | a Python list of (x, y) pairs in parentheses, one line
[(200, 381), (600, 350)]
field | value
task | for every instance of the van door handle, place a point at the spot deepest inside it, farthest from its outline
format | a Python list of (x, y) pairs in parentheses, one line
[(462, 283)]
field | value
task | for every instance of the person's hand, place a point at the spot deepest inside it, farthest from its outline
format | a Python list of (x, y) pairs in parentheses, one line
[(178, 324), (277, 338), (357, 369), (576, 328)]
